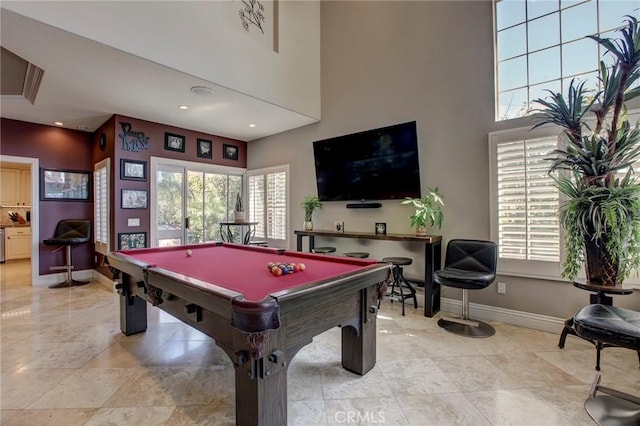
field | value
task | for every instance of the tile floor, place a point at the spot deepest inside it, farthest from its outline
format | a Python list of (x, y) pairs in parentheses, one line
[(64, 361)]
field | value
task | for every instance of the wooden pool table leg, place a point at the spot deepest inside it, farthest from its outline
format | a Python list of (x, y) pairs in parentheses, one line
[(261, 385), (359, 348), (133, 313)]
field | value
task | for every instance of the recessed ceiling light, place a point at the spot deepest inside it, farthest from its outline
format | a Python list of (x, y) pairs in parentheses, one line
[(58, 123), (202, 90), (252, 125), (183, 107)]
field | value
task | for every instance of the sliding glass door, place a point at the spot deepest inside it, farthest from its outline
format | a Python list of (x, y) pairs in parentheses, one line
[(190, 201)]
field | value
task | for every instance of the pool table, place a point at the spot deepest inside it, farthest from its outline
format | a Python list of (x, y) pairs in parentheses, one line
[(260, 320)]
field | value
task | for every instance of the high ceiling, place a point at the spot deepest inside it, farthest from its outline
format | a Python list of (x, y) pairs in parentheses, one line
[(84, 82)]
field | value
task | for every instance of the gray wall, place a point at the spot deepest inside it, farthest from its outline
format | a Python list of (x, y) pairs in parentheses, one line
[(389, 62)]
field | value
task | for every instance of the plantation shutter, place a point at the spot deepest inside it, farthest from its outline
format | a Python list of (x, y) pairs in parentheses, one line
[(528, 225), (276, 205), (101, 206), (268, 202), (256, 203)]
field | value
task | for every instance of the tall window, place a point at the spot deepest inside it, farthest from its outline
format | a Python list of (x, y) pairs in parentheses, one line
[(101, 205), (269, 203), (541, 45)]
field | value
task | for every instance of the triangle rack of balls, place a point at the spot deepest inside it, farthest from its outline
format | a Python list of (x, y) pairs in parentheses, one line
[(279, 269)]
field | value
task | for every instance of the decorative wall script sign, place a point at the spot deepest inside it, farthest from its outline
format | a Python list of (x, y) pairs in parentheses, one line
[(133, 141)]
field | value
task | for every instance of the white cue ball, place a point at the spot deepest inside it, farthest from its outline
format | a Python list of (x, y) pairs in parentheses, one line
[(189, 252)]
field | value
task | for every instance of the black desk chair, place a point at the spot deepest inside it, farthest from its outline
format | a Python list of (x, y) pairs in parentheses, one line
[(469, 265), (69, 232), (607, 325)]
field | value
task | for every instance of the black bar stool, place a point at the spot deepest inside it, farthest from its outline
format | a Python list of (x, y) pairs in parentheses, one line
[(357, 254), (324, 250), (400, 281), (68, 233)]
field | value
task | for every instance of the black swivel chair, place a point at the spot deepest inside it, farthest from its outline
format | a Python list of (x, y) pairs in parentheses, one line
[(607, 326), (68, 233), (469, 265)]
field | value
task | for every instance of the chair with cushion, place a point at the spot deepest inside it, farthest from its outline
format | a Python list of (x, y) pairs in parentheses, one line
[(469, 265), (68, 233), (606, 326)]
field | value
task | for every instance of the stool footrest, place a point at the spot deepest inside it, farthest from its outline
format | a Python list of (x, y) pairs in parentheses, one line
[(61, 268)]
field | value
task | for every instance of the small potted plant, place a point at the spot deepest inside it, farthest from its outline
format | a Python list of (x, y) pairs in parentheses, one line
[(428, 211), (239, 214), (309, 204)]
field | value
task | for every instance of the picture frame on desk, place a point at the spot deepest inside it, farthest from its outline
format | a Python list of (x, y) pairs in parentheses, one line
[(381, 228)]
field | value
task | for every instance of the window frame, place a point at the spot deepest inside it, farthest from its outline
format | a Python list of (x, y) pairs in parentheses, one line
[(264, 172), (519, 267), (100, 246), (532, 268), (564, 76)]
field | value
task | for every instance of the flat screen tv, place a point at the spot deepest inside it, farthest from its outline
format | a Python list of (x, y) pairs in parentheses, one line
[(379, 164)]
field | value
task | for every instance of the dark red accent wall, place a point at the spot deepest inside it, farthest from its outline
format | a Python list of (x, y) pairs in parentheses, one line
[(59, 148), (56, 148), (156, 134)]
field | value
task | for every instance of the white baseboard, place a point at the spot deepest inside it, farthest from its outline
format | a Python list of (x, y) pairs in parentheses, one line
[(508, 316), (105, 281), (84, 275)]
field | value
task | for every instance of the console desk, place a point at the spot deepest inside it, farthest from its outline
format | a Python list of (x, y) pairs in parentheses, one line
[(432, 257)]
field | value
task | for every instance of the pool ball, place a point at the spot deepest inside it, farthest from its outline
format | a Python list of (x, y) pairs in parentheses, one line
[(276, 271), (189, 252), (301, 266)]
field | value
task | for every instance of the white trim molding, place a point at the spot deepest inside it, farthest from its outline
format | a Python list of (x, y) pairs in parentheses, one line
[(507, 316)]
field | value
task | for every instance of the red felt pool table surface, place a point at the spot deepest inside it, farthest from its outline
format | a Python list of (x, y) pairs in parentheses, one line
[(243, 269)]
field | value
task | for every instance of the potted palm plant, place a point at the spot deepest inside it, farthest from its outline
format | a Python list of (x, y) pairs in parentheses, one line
[(309, 204), (601, 214), (239, 213), (428, 211)]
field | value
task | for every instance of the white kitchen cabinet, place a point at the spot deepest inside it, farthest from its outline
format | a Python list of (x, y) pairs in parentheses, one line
[(9, 191), (17, 244), (15, 187)]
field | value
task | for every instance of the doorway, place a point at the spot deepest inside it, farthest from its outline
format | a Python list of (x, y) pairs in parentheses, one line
[(189, 200), (33, 207)]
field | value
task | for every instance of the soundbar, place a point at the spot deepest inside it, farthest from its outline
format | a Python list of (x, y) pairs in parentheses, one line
[(363, 205)]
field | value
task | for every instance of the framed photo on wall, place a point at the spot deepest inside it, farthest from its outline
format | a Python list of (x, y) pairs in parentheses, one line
[(173, 142), (132, 240), (205, 148), (230, 152), (134, 199), (64, 185), (133, 170)]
